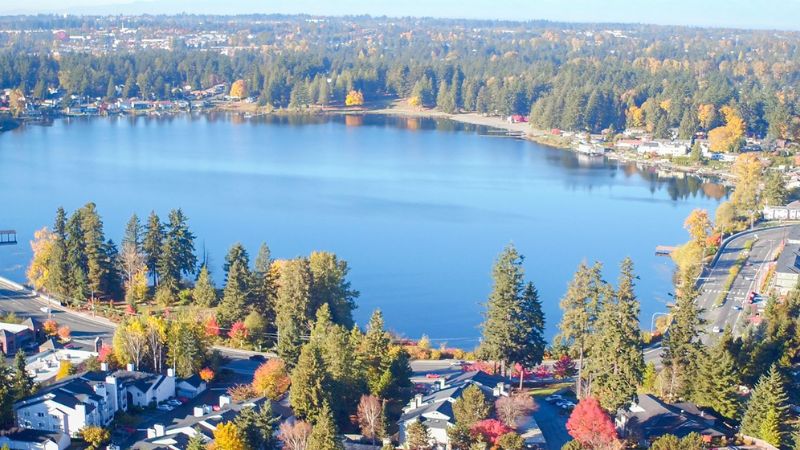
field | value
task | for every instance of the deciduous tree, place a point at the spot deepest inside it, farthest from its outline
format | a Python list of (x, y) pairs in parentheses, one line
[(591, 426), (271, 379), (370, 417), (294, 436)]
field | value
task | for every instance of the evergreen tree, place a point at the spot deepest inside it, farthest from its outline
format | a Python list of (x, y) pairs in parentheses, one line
[(152, 244), (768, 406), (331, 287), (237, 253), (196, 442), (374, 350), (617, 363), (418, 436), (471, 407), (133, 233), (444, 98), (180, 241), (233, 306), (775, 193), (292, 300), (22, 383), (204, 292), (258, 427), (94, 240), (59, 270), (309, 384), (324, 433), (500, 330), (77, 264), (7, 396), (263, 289), (717, 384), (580, 305), (530, 342), (680, 344)]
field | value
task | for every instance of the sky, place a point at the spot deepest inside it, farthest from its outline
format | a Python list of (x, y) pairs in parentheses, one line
[(761, 14)]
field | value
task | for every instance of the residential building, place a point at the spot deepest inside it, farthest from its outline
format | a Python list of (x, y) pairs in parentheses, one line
[(787, 267), (435, 409), (24, 439), (204, 422), (44, 365), (663, 148), (190, 387), (15, 336), (648, 418), (783, 212), (91, 398)]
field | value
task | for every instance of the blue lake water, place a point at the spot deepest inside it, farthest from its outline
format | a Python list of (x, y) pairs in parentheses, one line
[(419, 208)]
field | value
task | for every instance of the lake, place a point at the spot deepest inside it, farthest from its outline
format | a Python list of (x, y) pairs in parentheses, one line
[(418, 207)]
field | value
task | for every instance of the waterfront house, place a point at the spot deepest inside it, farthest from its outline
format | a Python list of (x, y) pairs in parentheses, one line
[(649, 418)]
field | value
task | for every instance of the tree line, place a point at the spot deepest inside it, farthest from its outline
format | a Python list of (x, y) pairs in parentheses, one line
[(575, 77)]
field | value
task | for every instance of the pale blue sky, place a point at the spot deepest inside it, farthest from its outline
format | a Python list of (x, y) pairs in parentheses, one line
[(778, 14)]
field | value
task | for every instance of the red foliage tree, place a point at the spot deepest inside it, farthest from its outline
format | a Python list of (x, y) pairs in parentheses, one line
[(238, 331), (490, 429), (212, 327), (542, 372), (481, 366), (564, 367), (591, 426), (105, 353)]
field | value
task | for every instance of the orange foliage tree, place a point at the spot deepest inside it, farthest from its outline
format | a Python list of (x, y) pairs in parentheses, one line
[(271, 379), (207, 374), (50, 327), (64, 333)]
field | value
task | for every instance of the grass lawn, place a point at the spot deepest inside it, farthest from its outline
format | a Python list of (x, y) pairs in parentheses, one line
[(549, 390)]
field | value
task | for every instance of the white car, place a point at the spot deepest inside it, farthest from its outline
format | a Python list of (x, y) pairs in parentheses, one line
[(554, 398), (164, 407), (716, 330), (174, 402), (44, 309)]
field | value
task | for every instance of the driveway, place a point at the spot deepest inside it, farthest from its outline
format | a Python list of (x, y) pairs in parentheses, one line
[(553, 422)]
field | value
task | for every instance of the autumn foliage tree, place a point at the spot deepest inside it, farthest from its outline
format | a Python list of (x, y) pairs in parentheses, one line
[(490, 429), (729, 137), (591, 426), (238, 89), (42, 245), (294, 436), (95, 436), (511, 408), (354, 98), (227, 436), (206, 374), (64, 333), (50, 327), (564, 367), (370, 417), (271, 379)]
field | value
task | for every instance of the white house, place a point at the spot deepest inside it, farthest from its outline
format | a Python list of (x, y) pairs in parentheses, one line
[(91, 399), (663, 148), (190, 387), (435, 410), (24, 439), (787, 212)]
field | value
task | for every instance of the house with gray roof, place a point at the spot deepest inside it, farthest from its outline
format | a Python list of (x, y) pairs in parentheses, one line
[(25, 439), (435, 409), (648, 418)]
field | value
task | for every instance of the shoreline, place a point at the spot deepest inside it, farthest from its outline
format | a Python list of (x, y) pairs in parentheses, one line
[(399, 108)]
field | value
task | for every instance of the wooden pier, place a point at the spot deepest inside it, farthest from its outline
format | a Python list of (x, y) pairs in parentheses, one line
[(8, 237), (664, 250)]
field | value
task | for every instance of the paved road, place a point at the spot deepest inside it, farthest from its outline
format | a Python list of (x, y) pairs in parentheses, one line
[(732, 312), (24, 305)]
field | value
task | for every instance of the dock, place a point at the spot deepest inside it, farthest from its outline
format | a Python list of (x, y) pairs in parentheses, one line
[(664, 250), (8, 237)]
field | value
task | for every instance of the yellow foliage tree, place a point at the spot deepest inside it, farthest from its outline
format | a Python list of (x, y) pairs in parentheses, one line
[(415, 101), (698, 225), (64, 370), (95, 436), (354, 98), (42, 245), (665, 104), (271, 379), (137, 287), (728, 137), (635, 116), (228, 437), (748, 171), (706, 114), (238, 89)]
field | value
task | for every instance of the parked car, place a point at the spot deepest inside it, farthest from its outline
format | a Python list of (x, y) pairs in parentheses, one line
[(737, 308), (164, 407), (174, 402), (554, 398), (716, 330), (566, 404)]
